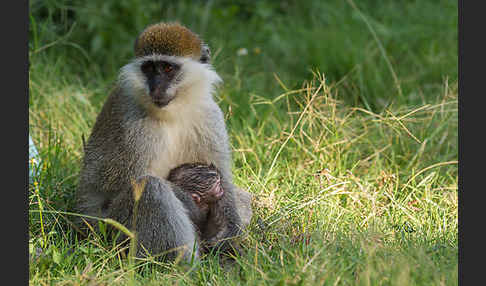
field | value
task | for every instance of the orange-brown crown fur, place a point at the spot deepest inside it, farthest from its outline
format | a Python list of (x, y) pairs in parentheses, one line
[(170, 39)]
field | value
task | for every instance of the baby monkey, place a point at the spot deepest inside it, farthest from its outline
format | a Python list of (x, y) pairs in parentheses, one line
[(203, 183)]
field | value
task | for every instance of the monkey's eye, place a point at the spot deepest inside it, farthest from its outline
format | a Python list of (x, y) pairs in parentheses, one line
[(148, 67), (168, 68)]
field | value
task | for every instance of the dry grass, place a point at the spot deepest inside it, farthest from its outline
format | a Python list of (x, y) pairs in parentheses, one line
[(342, 194)]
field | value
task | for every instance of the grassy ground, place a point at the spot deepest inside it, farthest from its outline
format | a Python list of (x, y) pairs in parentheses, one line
[(343, 122)]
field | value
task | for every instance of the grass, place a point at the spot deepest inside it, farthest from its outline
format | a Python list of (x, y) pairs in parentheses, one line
[(343, 124)]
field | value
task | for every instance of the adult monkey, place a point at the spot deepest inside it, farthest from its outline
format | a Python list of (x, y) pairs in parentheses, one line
[(161, 114)]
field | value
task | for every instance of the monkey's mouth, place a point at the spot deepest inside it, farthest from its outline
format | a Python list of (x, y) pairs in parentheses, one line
[(161, 101), (160, 97)]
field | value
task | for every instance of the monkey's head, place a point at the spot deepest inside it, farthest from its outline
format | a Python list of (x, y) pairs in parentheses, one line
[(171, 68), (202, 181)]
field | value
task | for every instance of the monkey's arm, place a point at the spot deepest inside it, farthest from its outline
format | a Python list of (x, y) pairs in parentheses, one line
[(224, 223)]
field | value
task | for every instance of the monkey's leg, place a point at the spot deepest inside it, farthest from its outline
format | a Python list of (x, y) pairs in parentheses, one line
[(162, 223)]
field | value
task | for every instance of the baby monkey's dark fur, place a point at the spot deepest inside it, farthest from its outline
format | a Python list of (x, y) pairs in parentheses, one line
[(203, 183)]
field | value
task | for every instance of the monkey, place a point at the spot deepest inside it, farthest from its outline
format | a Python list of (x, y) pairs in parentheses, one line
[(160, 114), (203, 182)]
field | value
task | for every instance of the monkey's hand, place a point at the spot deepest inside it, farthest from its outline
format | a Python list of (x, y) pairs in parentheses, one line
[(210, 196)]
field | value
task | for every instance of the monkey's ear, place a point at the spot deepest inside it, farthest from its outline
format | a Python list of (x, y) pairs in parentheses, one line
[(196, 198), (205, 54)]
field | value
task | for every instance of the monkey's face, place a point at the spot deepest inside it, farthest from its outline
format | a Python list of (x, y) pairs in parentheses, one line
[(161, 82), (159, 76)]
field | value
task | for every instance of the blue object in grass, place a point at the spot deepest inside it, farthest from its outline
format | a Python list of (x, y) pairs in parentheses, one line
[(33, 154)]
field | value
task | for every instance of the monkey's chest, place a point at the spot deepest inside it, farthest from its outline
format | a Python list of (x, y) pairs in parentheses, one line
[(174, 147)]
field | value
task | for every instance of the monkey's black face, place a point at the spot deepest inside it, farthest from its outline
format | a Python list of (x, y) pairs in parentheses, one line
[(160, 76)]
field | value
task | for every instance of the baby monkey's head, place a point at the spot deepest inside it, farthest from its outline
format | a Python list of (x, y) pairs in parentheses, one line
[(202, 181)]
